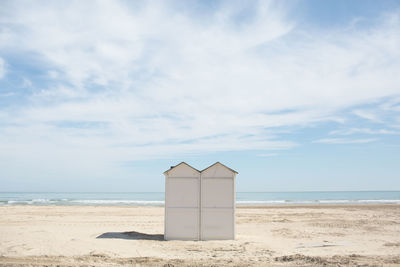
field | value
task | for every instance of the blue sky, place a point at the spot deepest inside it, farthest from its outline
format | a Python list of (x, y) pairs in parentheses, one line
[(105, 96)]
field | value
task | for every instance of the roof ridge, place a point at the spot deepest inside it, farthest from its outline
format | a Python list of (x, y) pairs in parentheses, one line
[(172, 167)]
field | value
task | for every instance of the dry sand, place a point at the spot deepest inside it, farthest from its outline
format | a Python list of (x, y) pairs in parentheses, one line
[(278, 236)]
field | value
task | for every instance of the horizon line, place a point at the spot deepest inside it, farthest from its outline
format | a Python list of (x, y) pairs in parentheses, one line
[(135, 192)]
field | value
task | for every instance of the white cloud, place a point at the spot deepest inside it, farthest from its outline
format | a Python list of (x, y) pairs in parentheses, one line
[(344, 141), (369, 115), (392, 105), (164, 82), (2, 68), (362, 131), (268, 155)]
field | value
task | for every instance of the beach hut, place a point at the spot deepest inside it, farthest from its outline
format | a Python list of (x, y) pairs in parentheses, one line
[(182, 203), (217, 202), (199, 205)]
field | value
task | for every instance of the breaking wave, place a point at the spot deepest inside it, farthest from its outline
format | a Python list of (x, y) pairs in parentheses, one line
[(124, 202)]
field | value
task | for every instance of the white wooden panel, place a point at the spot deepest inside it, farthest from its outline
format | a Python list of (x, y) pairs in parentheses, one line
[(217, 224), (217, 192), (183, 170), (182, 192), (182, 224), (217, 170), (182, 203)]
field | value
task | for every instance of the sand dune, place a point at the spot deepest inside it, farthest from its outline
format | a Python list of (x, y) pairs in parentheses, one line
[(280, 235)]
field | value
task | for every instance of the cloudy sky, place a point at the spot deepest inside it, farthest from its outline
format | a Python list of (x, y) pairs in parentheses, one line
[(106, 95)]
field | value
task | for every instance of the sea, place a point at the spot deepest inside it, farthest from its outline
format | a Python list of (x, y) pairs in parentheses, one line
[(157, 198)]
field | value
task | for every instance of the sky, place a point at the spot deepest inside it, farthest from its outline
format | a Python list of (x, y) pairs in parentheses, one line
[(105, 96)]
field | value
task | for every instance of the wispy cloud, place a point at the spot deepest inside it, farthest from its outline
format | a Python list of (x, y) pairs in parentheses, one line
[(344, 141), (363, 131), (268, 155), (369, 115), (2, 68), (153, 80)]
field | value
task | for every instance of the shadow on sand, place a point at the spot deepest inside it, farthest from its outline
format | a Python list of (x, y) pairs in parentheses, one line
[(132, 236)]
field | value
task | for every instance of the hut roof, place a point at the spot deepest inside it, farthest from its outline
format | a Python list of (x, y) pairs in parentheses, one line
[(172, 167)]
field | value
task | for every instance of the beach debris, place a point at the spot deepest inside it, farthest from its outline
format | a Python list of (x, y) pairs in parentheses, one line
[(323, 244)]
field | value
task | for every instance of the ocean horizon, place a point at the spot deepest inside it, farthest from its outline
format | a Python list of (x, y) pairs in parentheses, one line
[(157, 198)]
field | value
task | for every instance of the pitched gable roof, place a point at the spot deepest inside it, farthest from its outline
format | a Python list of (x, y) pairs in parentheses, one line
[(220, 164), (172, 167)]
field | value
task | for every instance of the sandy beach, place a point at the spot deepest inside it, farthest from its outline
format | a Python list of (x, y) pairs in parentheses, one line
[(267, 235)]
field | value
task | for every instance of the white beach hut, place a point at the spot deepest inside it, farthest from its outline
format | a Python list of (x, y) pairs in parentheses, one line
[(218, 197), (199, 205), (182, 203)]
